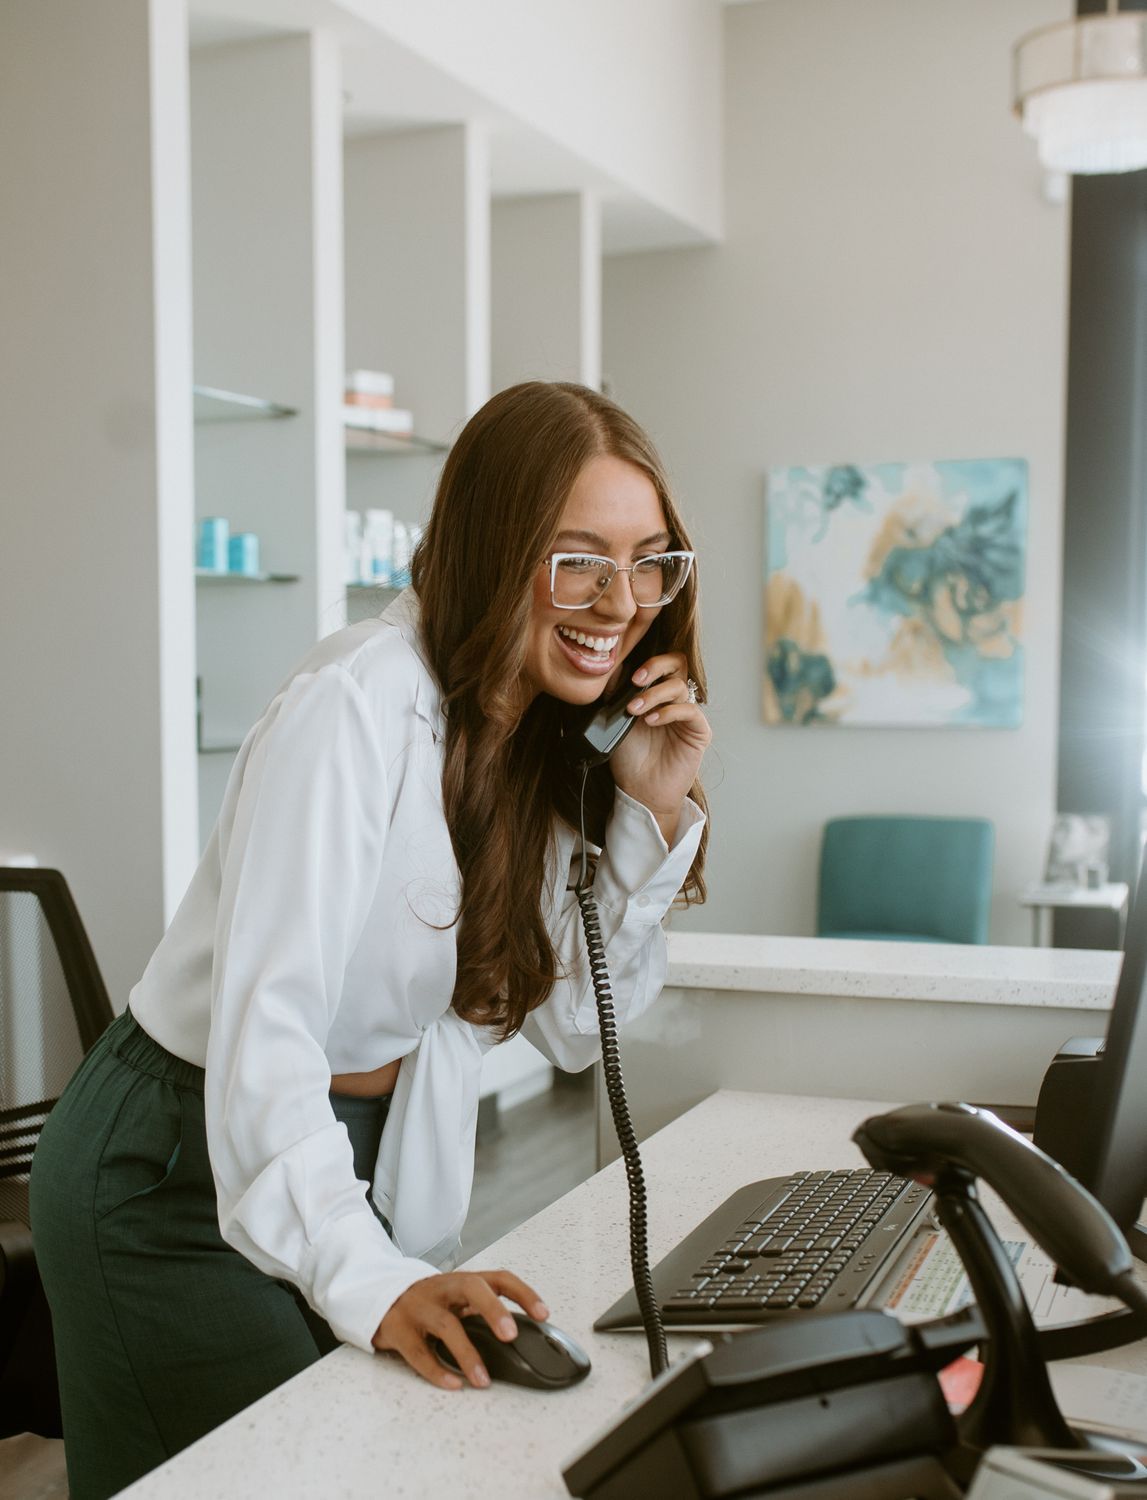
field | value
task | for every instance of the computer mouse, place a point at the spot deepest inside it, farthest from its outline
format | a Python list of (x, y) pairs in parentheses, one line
[(540, 1356)]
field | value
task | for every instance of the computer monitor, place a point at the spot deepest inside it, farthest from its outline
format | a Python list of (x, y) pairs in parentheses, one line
[(1092, 1110)]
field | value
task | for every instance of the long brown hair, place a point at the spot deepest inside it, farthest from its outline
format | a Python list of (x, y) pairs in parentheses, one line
[(498, 508)]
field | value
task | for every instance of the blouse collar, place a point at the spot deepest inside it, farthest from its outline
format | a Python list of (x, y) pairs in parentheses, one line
[(405, 615)]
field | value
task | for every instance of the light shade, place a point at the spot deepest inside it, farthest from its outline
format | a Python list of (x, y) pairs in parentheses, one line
[(1081, 91)]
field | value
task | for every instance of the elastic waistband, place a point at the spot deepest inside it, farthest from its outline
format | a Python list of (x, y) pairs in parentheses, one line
[(127, 1040), (132, 1045)]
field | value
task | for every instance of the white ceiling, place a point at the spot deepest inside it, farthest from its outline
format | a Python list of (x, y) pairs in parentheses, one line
[(389, 88)]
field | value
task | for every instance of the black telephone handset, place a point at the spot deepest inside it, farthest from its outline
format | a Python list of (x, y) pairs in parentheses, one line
[(926, 1141), (597, 741), (949, 1146)]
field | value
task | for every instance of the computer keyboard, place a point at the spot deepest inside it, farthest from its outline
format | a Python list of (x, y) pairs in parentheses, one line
[(811, 1242)]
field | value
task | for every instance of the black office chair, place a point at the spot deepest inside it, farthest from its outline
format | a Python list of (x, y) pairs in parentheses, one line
[(53, 1006)]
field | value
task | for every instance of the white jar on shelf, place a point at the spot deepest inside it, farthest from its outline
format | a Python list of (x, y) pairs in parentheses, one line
[(379, 539), (352, 545), (400, 577)]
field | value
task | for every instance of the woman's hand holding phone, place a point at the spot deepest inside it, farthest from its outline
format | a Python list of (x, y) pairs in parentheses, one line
[(433, 1308), (658, 761)]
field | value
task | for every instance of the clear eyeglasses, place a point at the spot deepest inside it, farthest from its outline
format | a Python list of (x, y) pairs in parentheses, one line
[(578, 579)]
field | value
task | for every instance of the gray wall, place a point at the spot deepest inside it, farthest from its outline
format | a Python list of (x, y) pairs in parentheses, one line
[(892, 286), (97, 724)]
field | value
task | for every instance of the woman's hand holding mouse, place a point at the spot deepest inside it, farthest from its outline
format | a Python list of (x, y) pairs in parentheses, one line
[(657, 762), (433, 1308)]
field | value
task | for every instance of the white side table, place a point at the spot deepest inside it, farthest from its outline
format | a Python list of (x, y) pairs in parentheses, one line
[(1044, 896)]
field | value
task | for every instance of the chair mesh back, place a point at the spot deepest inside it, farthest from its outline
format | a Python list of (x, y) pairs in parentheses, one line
[(40, 1045)]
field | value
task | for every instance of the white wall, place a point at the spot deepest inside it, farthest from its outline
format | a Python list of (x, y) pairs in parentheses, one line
[(633, 88), (97, 750), (545, 289), (892, 286)]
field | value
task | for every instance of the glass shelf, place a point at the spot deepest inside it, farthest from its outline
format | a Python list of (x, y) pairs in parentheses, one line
[(207, 747), (376, 588), (218, 575), (212, 405), (362, 440)]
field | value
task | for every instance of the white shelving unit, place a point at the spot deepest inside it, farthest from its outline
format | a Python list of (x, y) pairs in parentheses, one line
[(417, 292), (360, 440), (261, 307), (218, 576), (266, 132), (211, 405)]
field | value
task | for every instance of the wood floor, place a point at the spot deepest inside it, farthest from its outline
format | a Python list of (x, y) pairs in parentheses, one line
[(543, 1148), (32, 1468), (540, 1150)]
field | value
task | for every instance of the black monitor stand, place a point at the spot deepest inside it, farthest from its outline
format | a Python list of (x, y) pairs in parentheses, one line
[(1071, 1118), (1092, 1118)]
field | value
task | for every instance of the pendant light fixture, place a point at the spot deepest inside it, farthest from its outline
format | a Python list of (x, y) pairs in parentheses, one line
[(1080, 89)]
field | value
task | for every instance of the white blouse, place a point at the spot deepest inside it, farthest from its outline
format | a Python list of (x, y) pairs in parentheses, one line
[(316, 938)]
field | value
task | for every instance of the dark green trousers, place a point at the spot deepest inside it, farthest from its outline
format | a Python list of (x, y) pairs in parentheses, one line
[(162, 1330)]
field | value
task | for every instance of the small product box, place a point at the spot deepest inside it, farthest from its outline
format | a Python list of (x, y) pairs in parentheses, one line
[(377, 385), (394, 422)]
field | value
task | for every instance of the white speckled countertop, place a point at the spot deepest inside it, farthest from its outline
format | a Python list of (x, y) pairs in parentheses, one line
[(362, 1425), (1064, 977)]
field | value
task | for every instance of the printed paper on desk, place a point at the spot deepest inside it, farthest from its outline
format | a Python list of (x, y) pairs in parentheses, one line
[(930, 1282), (1052, 1304), (1111, 1401)]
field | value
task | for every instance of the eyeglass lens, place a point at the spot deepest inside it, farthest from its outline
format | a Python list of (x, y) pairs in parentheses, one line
[(654, 580)]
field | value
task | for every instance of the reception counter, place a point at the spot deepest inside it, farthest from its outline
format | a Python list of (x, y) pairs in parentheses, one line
[(856, 1020)]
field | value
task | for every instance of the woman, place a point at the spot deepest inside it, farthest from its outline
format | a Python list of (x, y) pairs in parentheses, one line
[(215, 1200)]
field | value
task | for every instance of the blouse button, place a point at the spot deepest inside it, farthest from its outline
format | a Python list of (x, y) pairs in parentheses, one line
[(643, 900)]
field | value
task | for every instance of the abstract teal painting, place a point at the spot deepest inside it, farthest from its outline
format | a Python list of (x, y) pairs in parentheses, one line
[(894, 594)]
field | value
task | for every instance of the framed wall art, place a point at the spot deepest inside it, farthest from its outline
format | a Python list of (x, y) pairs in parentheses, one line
[(894, 594)]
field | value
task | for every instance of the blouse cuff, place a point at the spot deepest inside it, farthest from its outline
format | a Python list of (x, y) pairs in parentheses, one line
[(640, 874), (354, 1290)]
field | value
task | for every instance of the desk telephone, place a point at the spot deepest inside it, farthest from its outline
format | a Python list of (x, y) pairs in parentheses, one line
[(846, 1406)]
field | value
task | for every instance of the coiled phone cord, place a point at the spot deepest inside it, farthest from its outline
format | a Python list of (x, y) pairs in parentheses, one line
[(619, 1107)]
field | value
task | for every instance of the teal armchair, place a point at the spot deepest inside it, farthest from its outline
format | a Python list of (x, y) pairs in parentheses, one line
[(906, 879)]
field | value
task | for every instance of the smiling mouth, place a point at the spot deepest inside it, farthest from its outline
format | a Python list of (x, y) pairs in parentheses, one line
[(591, 652)]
